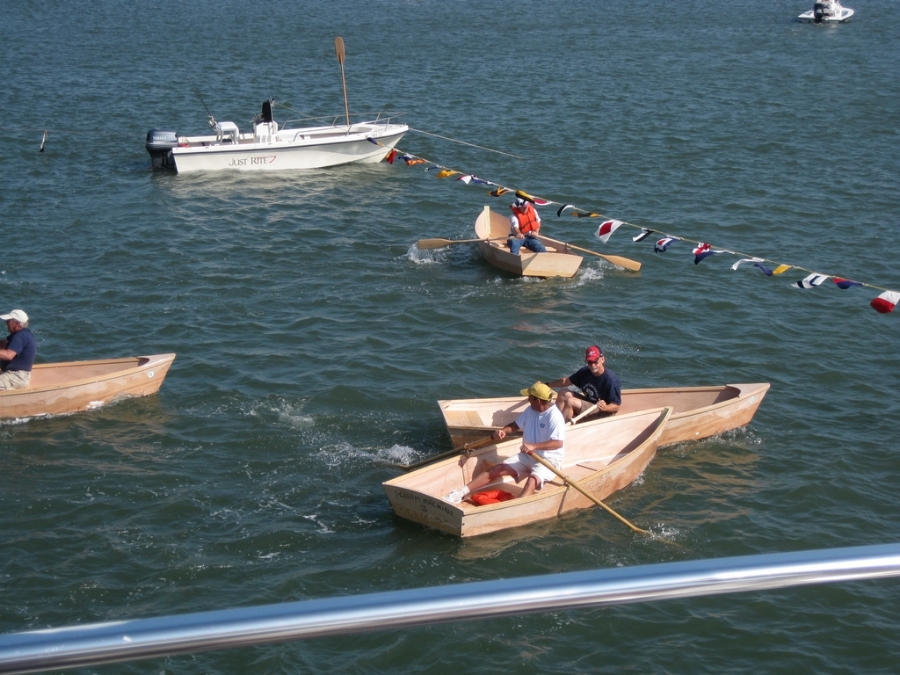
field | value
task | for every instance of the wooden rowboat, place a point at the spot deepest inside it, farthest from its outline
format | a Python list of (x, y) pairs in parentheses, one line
[(559, 261), (602, 457), (73, 386), (698, 412)]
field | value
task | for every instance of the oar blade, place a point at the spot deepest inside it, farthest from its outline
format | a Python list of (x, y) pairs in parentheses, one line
[(433, 243), (339, 49)]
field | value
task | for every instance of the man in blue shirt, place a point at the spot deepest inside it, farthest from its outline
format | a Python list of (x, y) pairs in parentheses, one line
[(599, 387), (17, 351)]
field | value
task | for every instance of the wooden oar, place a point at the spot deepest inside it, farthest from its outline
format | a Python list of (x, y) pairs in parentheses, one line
[(441, 243), (619, 261), (591, 409), (587, 494), (449, 453), (341, 54)]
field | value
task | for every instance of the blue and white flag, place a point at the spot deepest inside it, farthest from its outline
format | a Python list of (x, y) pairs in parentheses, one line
[(811, 280), (643, 235), (663, 244)]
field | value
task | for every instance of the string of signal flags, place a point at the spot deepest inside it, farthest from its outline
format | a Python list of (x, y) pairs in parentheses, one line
[(884, 303)]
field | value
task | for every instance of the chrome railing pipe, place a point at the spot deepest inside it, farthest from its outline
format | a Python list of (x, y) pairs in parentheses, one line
[(110, 642)]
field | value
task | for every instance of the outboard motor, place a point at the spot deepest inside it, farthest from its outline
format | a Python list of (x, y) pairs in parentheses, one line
[(820, 11), (159, 144)]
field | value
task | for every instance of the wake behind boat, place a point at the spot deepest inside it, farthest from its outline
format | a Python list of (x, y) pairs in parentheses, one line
[(826, 11), (270, 147), (73, 386)]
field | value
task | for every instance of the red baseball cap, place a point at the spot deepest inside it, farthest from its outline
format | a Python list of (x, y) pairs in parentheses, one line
[(592, 353)]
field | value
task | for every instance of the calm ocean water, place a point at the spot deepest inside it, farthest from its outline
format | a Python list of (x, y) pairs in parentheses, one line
[(313, 339)]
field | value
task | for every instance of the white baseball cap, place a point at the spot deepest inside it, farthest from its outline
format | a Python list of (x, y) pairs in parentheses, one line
[(16, 314)]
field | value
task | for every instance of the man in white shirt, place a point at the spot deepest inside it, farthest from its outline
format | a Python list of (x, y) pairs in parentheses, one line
[(543, 432)]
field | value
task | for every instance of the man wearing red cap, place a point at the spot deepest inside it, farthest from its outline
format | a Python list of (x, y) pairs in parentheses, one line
[(599, 386)]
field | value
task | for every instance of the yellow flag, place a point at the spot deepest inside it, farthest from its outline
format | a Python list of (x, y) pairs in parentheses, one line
[(781, 269), (445, 173)]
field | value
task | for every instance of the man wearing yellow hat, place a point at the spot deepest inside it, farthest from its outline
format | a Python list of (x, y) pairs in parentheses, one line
[(543, 432)]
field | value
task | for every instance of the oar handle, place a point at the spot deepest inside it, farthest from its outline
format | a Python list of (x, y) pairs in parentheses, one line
[(587, 494), (591, 409)]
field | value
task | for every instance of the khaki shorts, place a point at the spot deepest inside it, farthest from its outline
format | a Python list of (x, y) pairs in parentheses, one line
[(15, 379)]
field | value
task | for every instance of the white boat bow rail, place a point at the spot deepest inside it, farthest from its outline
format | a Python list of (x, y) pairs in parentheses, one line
[(117, 641)]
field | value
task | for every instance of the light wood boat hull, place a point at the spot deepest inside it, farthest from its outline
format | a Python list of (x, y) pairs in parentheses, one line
[(73, 386), (557, 262), (698, 412), (603, 456)]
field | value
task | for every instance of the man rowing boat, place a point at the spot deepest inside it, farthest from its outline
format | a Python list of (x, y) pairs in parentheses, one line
[(543, 433)]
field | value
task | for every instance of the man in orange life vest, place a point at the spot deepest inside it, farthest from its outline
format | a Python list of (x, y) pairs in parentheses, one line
[(524, 225)]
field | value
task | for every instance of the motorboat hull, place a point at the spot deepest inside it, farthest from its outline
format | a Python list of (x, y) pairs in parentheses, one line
[(298, 149)]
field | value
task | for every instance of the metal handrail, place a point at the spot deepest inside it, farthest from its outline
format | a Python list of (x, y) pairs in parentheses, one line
[(117, 641)]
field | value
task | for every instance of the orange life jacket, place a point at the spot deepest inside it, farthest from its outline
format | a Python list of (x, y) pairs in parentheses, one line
[(527, 217)]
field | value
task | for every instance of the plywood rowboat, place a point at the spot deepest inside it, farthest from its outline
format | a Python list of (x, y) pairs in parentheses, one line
[(559, 261), (602, 456), (698, 412), (73, 386)]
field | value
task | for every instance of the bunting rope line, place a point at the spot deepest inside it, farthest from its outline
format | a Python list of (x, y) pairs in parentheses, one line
[(882, 304), (480, 147)]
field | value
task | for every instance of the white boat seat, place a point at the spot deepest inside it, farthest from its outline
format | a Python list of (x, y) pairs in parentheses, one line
[(227, 130)]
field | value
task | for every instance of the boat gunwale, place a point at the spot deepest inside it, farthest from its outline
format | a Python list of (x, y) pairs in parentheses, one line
[(159, 359)]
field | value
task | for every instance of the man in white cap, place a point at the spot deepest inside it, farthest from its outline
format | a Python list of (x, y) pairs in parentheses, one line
[(543, 432), (17, 351), (524, 226)]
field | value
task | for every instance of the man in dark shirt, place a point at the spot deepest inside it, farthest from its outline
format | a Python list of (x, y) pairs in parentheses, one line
[(17, 351), (599, 386)]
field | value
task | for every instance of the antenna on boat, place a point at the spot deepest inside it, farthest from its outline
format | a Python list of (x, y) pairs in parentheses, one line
[(339, 50), (212, 120)]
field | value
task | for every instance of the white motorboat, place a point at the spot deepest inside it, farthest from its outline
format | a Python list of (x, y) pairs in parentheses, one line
[(269, 147), (826, 11)]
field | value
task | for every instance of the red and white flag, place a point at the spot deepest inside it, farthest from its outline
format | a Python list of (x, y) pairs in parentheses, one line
[(606, 229), (886, 302)]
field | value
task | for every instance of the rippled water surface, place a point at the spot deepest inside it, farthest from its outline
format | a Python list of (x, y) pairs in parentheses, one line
[(313, 338)]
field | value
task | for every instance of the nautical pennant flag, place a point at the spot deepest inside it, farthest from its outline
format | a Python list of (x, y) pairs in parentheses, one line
[(563, 208), (663, 244), (606, 229), (474, 179), (391, 156), (756, 262), (643, 235), (703, 251), (811, 280), (885, 302), (445, 172), (585, 214), (781, 269), (845, 283), (499, 191), (745, 260), (411, 161)]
